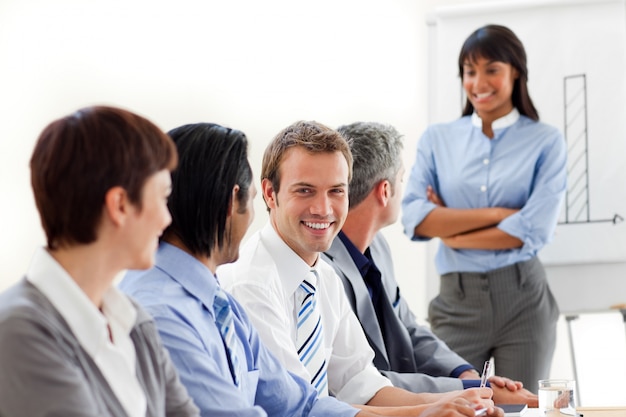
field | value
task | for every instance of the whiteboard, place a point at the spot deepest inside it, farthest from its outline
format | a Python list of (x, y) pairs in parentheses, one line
[(577, 78), (599, 341)]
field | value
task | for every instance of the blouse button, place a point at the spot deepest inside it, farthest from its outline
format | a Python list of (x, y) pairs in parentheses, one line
[(483, 188)]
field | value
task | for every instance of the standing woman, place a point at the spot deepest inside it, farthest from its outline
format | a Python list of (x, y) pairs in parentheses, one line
[(490, 186)]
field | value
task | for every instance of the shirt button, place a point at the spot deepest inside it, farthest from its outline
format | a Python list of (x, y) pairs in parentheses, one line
[(486, 161), (483, 188)]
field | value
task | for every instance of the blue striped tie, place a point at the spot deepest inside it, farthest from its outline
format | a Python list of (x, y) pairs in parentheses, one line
[(224, 320), (309, 335)]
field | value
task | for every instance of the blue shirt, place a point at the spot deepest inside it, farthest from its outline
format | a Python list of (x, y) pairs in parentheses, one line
[(523, 166), (179, 293)]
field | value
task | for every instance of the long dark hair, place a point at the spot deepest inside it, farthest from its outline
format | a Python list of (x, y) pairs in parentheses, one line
[(212, 160), (499, 43)]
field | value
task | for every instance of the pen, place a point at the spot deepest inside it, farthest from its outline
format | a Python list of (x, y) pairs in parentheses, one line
[(483, 378), (480, 412)]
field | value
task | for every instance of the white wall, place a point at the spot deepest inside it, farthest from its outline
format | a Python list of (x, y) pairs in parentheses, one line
[(255, 66)]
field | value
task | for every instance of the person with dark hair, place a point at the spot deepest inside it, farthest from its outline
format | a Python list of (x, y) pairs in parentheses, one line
[(490, 186), (225, 367), (223, 363), (410, 355), (295, 300), (70, 342)]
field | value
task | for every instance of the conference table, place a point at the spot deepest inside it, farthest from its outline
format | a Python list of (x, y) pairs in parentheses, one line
[(587, 412), (602, 411)]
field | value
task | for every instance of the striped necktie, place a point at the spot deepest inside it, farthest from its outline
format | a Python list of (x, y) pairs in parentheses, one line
[(224, 319), (309, 335)]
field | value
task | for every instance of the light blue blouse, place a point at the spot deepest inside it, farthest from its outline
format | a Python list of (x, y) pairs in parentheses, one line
[(523, 166)]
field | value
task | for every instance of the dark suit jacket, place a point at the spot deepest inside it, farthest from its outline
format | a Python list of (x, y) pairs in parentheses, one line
[(417, 361)]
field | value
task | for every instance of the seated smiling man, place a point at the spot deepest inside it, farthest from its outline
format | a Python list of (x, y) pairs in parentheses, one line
[(297, 302), (226, 368)]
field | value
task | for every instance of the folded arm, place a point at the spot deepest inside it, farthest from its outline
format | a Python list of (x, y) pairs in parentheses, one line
[(446, 222), (467, 228), (490, 238)]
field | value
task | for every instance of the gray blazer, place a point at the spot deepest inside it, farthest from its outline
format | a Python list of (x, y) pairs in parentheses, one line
[(45, 372), (418, 361)]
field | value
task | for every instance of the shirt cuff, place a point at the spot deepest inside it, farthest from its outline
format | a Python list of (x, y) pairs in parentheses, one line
[(362, 387), (467, 383), (412, 215), (456, 372), (473, 383)]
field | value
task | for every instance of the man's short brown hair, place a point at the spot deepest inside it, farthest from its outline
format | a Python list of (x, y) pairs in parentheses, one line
[(314, 137), (78, 158)]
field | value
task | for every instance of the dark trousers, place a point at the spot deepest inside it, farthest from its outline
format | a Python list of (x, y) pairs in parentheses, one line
[(508, 313)]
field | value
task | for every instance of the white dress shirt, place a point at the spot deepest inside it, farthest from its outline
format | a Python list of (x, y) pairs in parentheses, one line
[(264, 280), (117, 360)]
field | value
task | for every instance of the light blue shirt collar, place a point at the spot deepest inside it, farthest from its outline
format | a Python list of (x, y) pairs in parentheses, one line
[(172, 292), (189, 272)]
